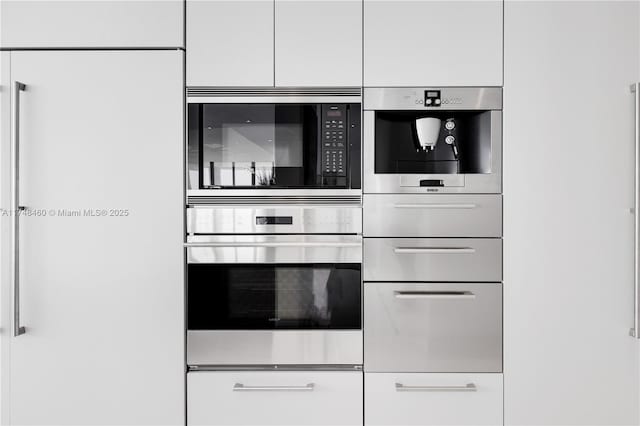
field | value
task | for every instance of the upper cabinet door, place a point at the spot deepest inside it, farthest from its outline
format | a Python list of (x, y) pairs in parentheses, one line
[(318, 42), (229, 43), (433, 43), (91, 24)]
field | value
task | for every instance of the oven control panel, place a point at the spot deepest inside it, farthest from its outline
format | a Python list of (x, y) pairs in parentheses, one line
[(334, 140)]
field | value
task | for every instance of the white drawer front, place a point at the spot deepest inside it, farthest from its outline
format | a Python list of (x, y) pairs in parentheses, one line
[(433, 259), (433, 399), (274, 398), (441, 215), (435, 327)]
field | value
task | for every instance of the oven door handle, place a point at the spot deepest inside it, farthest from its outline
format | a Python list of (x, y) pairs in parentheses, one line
[(274, 244)]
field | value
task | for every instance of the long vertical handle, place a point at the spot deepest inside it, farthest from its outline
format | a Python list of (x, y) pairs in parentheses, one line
[(635, 88), (16, 208)]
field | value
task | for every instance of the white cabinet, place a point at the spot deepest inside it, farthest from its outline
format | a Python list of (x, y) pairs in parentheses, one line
[(286, 43), (280, 398), (318, 43), (91, 23), (101, 259), (433, 43), (230, 43), (568, 228), (412, 399)]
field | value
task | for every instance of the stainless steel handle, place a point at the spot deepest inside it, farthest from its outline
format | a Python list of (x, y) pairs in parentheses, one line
[(469, 387), (273, 244), (434, 250), (442, 295), (239, 387), (16, 208), (435, 206), (635, 88)]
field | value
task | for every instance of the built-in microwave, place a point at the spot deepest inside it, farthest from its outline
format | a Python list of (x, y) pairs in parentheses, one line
[(273, 142)]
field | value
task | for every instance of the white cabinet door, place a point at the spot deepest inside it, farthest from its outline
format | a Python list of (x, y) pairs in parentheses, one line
[(91, 23), (433, 43), (230, 42), (101, 273), (253, 398), (568, 228), (318, 42), (412, 399)]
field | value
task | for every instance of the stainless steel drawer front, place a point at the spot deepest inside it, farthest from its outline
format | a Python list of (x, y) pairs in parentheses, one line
[(443, 327), (279, 347), (260, 220), (441, 215), (274, 249), (433, 259)]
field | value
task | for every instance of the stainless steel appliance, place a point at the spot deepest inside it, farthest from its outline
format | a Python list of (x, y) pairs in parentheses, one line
[(274, 286), (273, 142), (424, 140)]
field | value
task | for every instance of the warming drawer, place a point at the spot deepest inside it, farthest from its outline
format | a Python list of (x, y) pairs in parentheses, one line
[(436, 327), (441, 215), (433, 259), (280, 398)]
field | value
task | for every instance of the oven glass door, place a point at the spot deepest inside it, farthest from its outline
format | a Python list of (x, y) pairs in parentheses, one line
[(274, 296)]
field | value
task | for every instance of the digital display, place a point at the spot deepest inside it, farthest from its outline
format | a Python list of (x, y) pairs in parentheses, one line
[(336, 113), (433, 94), (274, 220)]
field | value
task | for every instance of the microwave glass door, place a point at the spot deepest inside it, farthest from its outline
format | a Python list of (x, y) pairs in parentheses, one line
[(432, 142), (270, 146), (274, 297)]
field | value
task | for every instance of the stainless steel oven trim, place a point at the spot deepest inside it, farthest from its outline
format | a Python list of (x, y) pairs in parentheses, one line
[(274, 100), (283, 197), (278, 192), (490, 183), (275, 367), (262, 91), (274, 347), (273, 249), (324, 219)]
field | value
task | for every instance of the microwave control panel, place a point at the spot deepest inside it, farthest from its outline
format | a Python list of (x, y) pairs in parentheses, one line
[(334, 140)]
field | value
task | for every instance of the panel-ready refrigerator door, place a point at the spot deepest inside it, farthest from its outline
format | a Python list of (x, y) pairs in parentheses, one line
[(99, 237)]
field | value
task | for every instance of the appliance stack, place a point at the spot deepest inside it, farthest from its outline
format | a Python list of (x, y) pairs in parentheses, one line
[(274, 255), (432, 222)]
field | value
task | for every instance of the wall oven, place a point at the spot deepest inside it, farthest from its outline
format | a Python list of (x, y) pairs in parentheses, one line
[(425, 140), (274, 286), (261, 142)]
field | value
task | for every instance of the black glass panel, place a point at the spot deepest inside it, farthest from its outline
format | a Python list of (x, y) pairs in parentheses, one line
[(267, 146), (259, 145), (263, 297), (432, 142)]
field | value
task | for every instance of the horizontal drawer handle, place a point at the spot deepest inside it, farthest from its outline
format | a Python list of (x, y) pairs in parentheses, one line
[(469, 387), (457, 295), (435, 206), (239, 387), (273, 244), (434, 250)]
